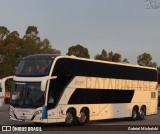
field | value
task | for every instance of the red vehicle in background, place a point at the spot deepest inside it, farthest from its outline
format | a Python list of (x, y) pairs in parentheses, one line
[(7, 97)]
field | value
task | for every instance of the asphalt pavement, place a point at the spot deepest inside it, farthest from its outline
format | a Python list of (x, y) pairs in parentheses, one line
[(110, 125)]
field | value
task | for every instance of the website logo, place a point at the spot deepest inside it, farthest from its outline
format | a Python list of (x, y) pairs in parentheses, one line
[(6, 128), (152, 4)]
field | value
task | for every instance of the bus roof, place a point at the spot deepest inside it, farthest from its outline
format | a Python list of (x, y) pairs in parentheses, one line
[(109, 62), (40, 56), (52, 56)]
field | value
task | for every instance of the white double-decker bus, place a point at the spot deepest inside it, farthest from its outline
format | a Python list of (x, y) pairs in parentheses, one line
[(53, 88)]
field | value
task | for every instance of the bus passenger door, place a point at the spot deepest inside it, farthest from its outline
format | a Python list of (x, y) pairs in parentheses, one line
[(52, 111), (52, 102)]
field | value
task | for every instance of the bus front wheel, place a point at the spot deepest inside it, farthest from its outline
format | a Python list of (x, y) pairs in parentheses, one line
[(70, 117)]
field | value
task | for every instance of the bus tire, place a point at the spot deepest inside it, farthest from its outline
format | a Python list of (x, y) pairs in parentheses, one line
[(142, 113), (84, 117), (134, 114), (70, 117)]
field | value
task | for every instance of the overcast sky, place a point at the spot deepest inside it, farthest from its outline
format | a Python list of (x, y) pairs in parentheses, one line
[(123, 26)]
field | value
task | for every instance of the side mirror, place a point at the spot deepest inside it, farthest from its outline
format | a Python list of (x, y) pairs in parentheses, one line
[(53, 77), (44, 82)]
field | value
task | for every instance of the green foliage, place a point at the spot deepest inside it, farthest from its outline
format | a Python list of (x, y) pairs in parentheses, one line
[(145, 59), (31, 32), (116, 57), (78, 51), (108, 56), (3, 32), (9, 53), (47, 48), (103, 56), (13, 48), (125, 60)]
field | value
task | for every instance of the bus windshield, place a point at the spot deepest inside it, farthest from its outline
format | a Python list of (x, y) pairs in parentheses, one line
[(33, 67), (27, 95)]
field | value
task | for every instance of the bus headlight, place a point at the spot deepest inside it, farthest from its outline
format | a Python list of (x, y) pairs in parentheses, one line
[(11, 111), (37, 112)]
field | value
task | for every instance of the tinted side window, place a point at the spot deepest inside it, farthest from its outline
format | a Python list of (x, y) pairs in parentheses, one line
[(74, 67), (100, 96)]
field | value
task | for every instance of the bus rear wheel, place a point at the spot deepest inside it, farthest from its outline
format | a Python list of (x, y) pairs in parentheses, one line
[(142, 113), (84, 117), (134, 114), (70, 117)]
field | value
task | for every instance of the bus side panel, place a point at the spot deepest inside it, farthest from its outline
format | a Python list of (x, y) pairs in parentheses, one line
[(104, 111), (154, 102), (141, 97), (115, 111), (52, 115), (153, 107)]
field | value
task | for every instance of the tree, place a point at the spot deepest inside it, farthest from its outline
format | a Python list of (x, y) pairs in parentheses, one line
[(125, 60), (46, 47), (3, 32), (116, 57), (102, 56), (145, 59), (153, 64), (78, 51), (31, 41), (108, 57), (31, 32), (32, 44), (10, 54)]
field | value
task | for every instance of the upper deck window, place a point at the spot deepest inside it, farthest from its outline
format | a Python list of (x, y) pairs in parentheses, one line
[(34, 67)]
